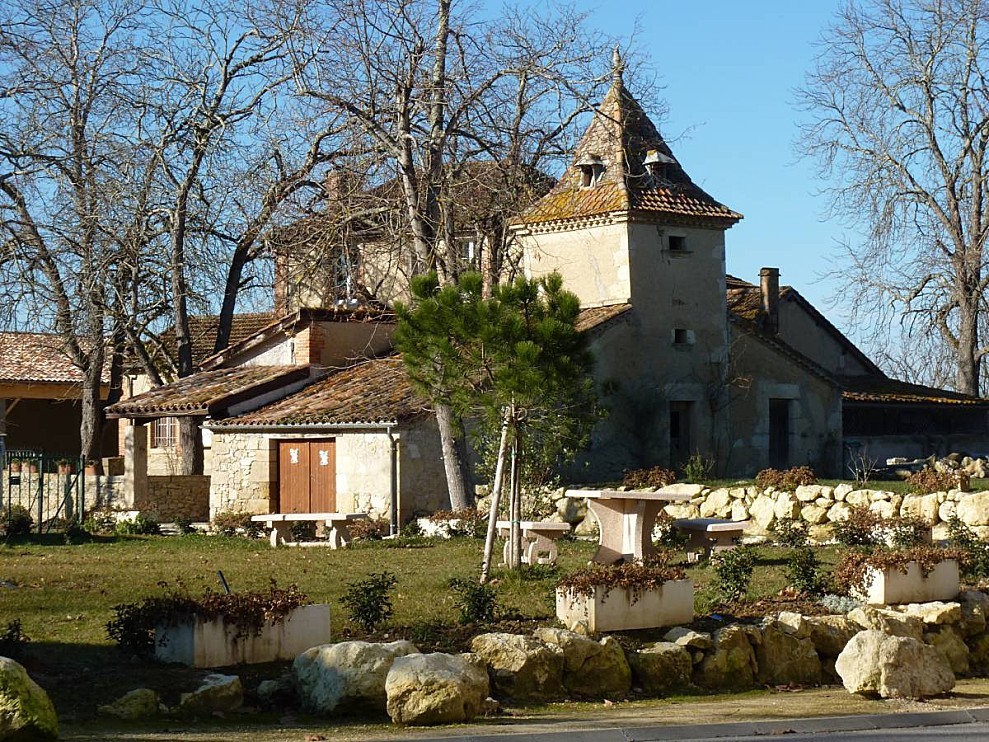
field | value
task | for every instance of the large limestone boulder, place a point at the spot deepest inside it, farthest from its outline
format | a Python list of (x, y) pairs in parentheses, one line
[(874, 663), (783, 657), (140, 703), (888, 622), (716, 505), (949, 642), (730, 664), (572, 509), (936, 612), (973, 509), (689, 638), (787, 506), (521, 667), (975, 609), (603, 675), (921, 506), (423, 689), (661, 667), (762, 513), (349, 676), (218, 693), (590, 668), (26, 711), (830, 634)]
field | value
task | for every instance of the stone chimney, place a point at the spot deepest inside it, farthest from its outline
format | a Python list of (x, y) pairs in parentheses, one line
[(769, 283)]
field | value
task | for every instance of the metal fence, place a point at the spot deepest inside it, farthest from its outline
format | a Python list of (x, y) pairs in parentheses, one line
[(51, 487)]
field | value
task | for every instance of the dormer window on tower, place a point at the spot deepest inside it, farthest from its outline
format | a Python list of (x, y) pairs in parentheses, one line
[(658, 165), (591, 169)]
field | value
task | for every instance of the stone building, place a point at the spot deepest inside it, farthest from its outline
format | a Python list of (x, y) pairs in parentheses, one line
[(313, 412)]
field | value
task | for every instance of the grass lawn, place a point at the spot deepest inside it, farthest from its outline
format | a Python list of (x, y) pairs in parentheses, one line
[(64, 595)]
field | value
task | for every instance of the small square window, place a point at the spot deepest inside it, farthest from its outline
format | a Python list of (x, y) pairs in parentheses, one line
[(677, 243), (683, 336)]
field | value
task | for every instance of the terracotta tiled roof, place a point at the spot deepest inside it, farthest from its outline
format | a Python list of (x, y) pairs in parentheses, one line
[(885, 391), (208, 392), (621, 135), (202, 331), (37, 358), (592, 317), (372, 393)]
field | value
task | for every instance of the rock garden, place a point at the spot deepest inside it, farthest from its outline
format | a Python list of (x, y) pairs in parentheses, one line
[(412, 638)]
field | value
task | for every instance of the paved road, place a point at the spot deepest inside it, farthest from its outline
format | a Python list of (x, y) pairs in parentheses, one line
[(969, 725)]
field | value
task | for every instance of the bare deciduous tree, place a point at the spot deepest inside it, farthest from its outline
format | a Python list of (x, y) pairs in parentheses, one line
[(899, 107)]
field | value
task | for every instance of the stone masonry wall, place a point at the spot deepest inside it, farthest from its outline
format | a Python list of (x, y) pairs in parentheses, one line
[(171, 497), (820, 505)]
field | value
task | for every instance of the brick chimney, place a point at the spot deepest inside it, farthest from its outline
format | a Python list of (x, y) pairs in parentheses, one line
[(769, 283)]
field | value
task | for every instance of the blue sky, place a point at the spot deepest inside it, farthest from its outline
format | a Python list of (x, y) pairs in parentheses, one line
[(728, 70)]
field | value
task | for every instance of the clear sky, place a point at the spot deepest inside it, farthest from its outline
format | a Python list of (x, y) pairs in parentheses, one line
[(729, 69)]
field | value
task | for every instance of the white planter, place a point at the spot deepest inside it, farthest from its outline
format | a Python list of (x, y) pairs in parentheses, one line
[(891, 586), (671, 604), (214, 644)]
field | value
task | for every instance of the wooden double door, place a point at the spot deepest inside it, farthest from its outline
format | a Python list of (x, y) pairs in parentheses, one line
[(307, 476)]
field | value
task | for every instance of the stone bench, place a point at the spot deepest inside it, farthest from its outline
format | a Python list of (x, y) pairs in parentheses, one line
[(538, 538), (709, 535), (334, 525)]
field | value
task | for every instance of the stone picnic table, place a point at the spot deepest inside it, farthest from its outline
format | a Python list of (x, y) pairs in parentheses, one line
[(538, 539), (626, 520), (336, 526)]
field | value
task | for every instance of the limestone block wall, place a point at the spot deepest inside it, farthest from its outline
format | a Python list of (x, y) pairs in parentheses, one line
[(176, 496), (243, 473), (820, 505)]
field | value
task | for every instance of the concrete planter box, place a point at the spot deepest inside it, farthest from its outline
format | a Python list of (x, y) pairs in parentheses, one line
[(891, 586), (214, 644), (671, 604)]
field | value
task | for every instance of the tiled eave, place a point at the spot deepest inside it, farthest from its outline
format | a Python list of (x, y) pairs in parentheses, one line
[(776, 344), (374, 394), (866, 391), (618, 217), (210, 393), (592, 318)]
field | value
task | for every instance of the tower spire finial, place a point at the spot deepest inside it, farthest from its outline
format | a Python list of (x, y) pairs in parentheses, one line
[(617, 64)]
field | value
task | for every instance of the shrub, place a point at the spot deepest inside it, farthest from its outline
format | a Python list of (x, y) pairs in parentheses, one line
[(369, 600), (636, 577), (665, 535), (960, 536), (15, 521), (411, 530), (232, 522), (476, 602), (790, 532), (803, 571), (369, 529), (648, 478), (929, 480), (698, 469), (852, 573), (860, 528), (141, 525), (788, 479), (905, 531), (468, 522), (12, 639), (184, 525), (101, 522), (733, 572), (133, 625)]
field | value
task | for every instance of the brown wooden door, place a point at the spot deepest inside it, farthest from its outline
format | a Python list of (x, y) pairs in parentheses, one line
[(293, 477), (307, 476), (322, 477)]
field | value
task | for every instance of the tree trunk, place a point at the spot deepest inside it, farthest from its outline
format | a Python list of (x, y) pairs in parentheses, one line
[(966, 351), (495, 499), (451, 460), (190, 445), (91, 428)]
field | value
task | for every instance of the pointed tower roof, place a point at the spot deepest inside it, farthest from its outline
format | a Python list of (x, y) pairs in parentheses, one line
[(622, 164)]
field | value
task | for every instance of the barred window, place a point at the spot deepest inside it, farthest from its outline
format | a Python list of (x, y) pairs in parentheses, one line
[(164, 433)]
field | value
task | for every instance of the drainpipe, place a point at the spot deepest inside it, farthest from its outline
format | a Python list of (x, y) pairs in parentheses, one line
[(393, 527)]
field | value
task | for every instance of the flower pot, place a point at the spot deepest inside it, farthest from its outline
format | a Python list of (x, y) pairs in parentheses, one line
[(92, 468), (615, 609), (15, 467), (199, 643), (32, 468), (893, 586), (65, 469)]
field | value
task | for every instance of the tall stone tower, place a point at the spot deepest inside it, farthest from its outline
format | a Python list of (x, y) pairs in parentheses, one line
[(625, 224)]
